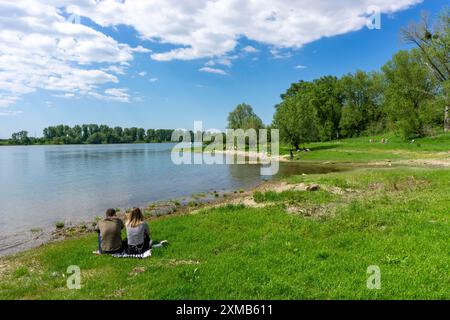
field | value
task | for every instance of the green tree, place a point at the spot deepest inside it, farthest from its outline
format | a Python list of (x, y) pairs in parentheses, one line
[(410, 93), (76, 135), (326, 98), (85, 135), (118, 134), (20, 137), (433, 43), (150, 136), (243, 117), (296, 117), (93, 128), (96, 138), (140, 135), (362, 102)]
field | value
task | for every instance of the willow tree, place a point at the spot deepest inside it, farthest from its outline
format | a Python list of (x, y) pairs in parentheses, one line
[(433, 42)]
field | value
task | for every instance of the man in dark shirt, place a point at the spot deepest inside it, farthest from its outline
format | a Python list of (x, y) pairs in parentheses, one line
[(110, 233)]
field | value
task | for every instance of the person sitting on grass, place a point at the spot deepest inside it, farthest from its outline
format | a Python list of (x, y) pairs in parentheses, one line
[(109, 233), (138, 234)]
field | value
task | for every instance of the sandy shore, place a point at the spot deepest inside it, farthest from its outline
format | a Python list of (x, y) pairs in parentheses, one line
[(261, 156)]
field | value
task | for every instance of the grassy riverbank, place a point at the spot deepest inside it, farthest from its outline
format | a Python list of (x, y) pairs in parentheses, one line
[(362, 150), (280, 242)]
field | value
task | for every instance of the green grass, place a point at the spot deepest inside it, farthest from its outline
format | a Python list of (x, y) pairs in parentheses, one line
[(397, 219), (361, 150), (294, 197)]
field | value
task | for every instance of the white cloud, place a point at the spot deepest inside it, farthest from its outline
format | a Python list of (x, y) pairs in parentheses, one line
[(115, 69), (300, 67), (250, 49), (116, 94), (209, 29), (153, 79), (213, 70), (65, 95), (41, 49), (142, 74), (7, 99), (224, 61), (140, 49), (280, 54)]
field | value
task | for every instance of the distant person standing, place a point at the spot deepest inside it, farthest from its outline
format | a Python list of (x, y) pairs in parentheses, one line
[(110, 233)]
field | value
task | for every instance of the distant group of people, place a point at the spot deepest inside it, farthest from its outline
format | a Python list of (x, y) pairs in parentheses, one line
[(138, 234), (383, 141)]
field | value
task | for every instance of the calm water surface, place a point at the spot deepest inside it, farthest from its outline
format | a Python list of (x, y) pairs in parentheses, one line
[(40, 185)]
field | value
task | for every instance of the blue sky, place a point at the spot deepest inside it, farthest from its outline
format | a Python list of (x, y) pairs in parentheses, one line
[(166, 92)]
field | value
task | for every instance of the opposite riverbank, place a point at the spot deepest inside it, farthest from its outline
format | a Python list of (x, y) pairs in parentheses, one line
[(279, 240)]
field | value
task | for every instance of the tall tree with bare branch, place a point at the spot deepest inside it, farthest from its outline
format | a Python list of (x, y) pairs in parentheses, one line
[(433, 43)]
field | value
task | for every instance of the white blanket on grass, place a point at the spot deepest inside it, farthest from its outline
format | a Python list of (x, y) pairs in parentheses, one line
[(144, 255)]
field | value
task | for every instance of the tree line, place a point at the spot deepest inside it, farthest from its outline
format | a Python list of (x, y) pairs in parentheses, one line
[(408, 96), (93, 134)]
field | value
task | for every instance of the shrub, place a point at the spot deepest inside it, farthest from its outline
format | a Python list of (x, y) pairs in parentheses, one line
[(59, 225)]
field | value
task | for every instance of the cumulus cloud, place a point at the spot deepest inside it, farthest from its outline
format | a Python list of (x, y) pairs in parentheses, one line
[(201, 29), (40, 47)]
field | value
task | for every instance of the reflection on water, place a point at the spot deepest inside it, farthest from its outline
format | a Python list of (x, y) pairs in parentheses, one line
[(40, 185)]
